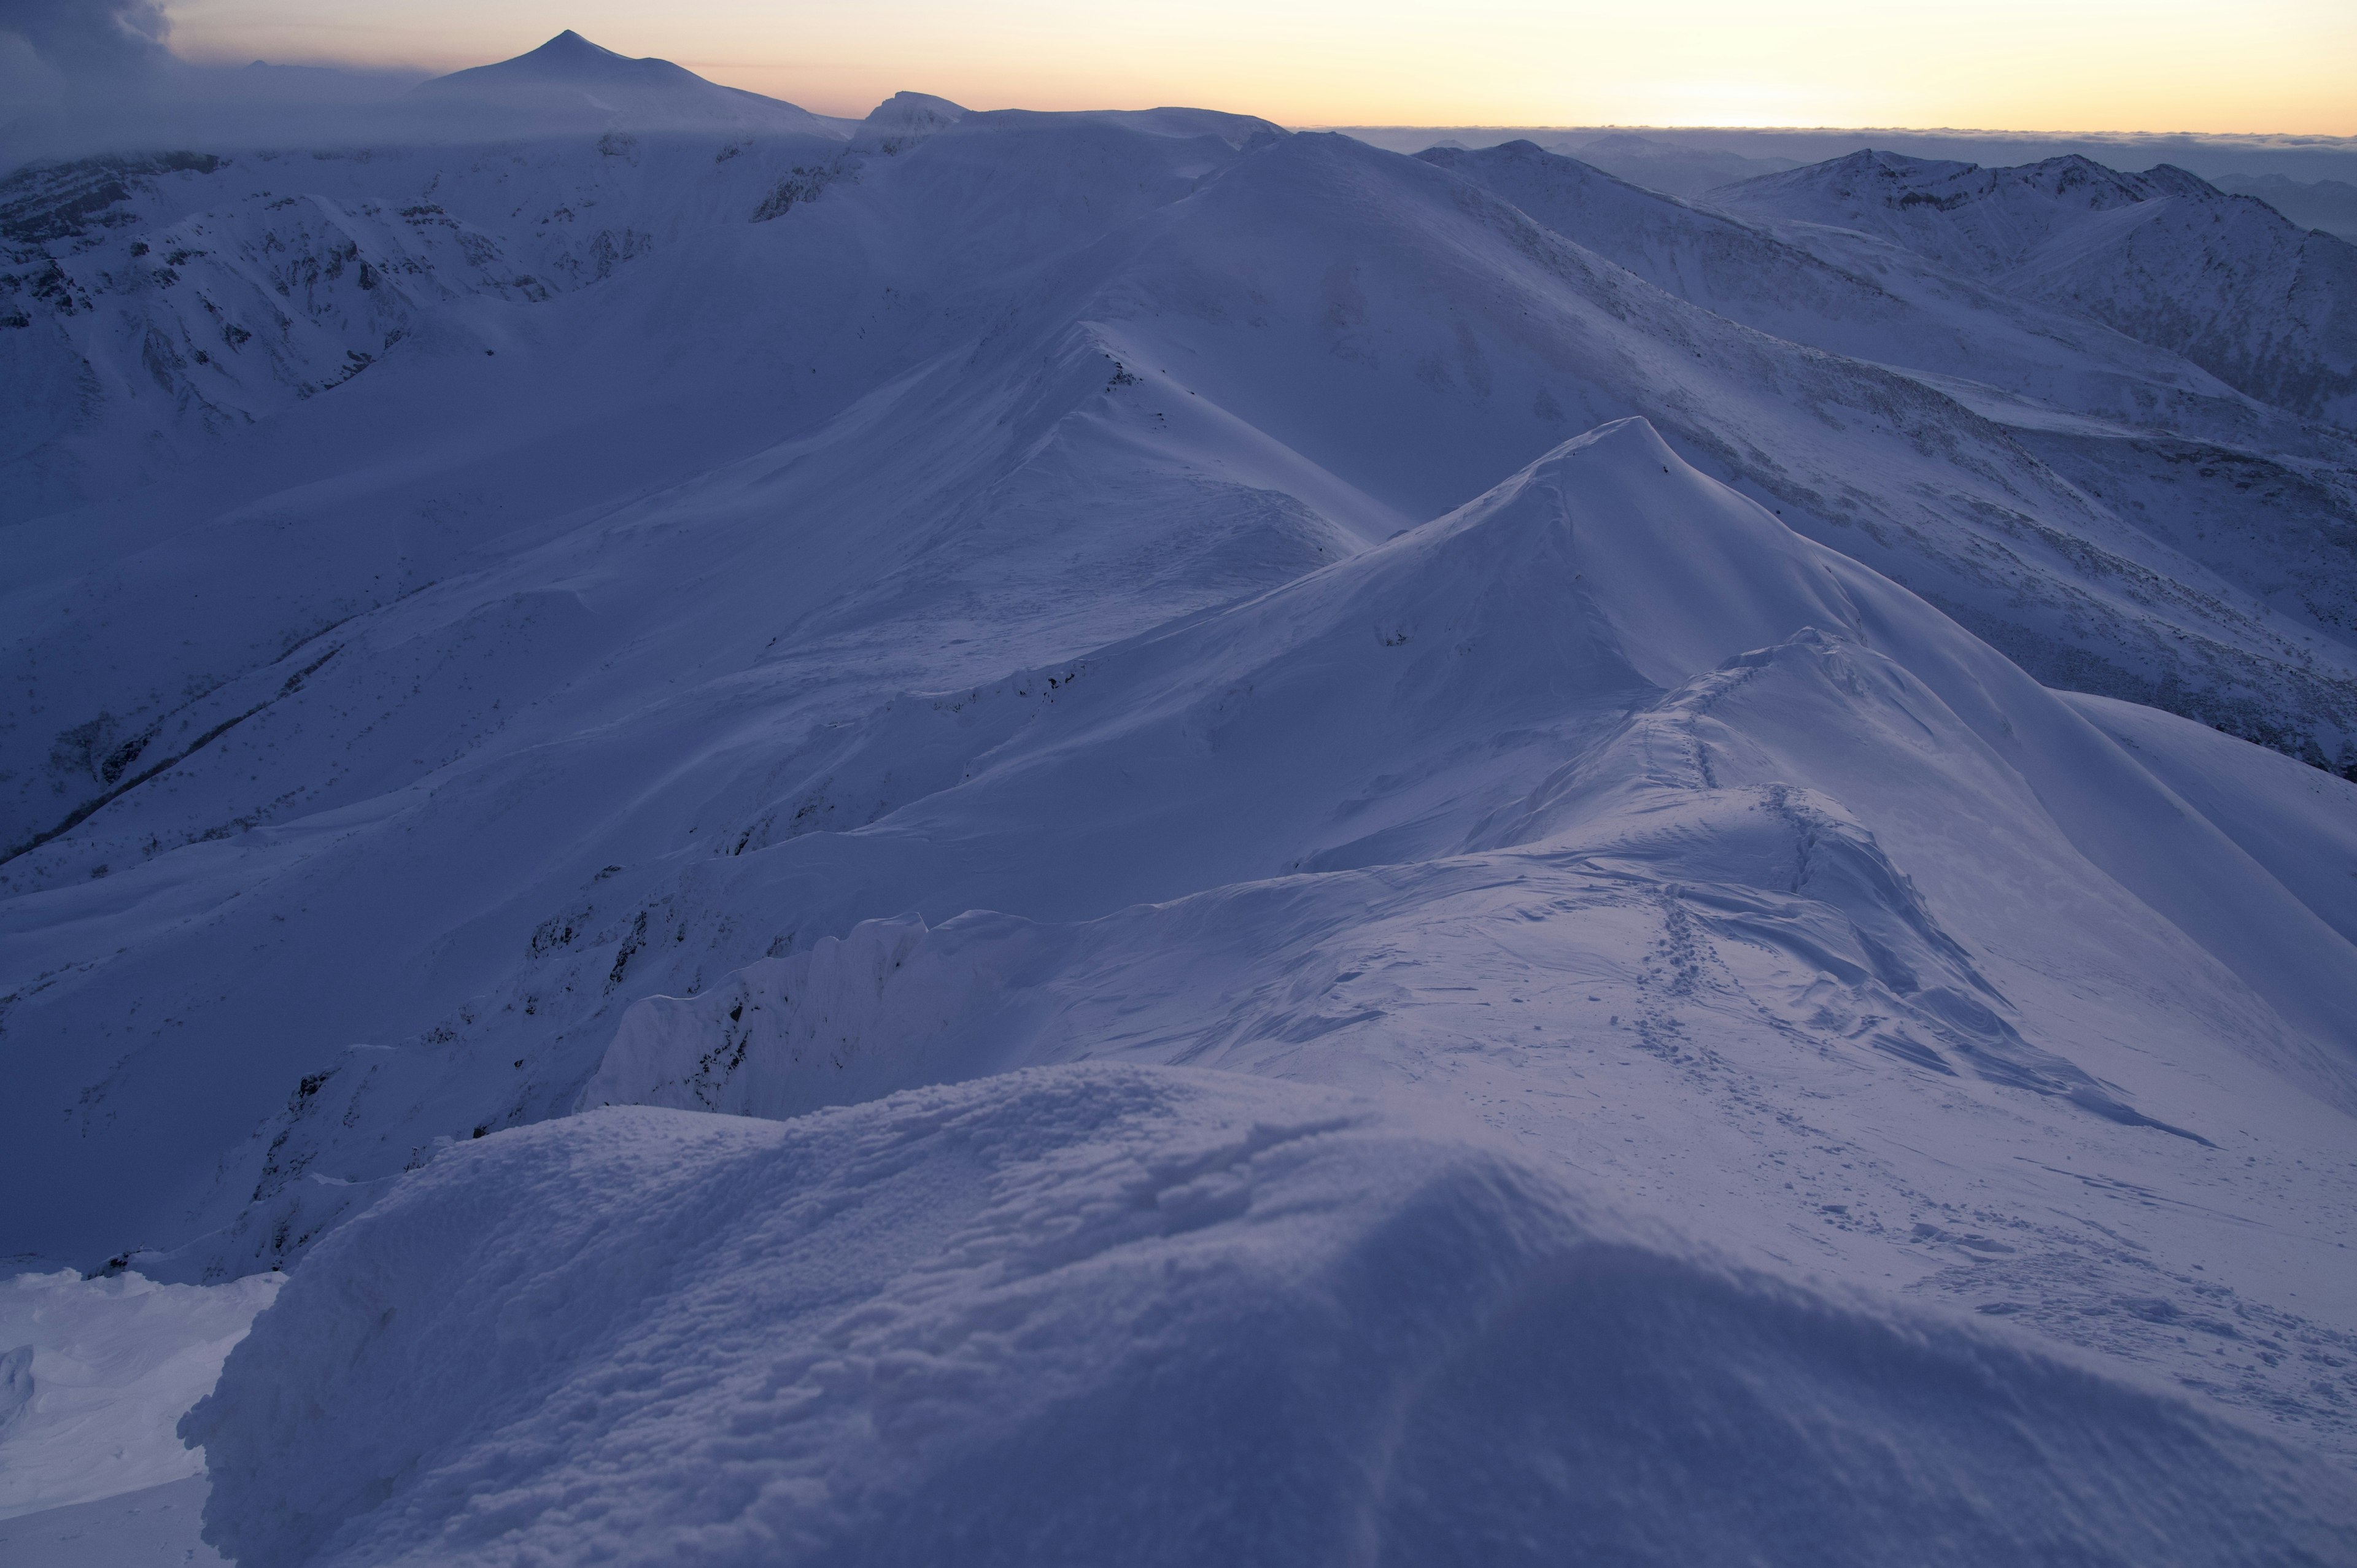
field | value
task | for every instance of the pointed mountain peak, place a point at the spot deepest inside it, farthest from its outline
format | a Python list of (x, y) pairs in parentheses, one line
[(1683, 571), (570, 57), (1630, 439), (570, 79), (570, 45)]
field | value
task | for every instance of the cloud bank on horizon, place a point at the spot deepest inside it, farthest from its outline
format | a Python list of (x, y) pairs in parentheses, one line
[(2076, 65), (79, 37)]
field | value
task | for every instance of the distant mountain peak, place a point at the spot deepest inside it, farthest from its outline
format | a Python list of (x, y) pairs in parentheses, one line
[(2163, 256), (569, 57), (569, 49), (569, 76)]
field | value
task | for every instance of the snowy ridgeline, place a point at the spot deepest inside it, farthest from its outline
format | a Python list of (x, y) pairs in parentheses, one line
[(917, 641)]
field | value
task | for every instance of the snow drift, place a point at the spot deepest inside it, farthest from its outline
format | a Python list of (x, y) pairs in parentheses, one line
[(94, 1374), (1107, 1315)]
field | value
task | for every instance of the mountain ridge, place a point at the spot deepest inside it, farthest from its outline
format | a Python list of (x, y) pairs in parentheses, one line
[(2132, 250), (1143, 592)]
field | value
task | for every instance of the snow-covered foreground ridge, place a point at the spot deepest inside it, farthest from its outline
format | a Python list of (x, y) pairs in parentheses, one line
[(1098, 1314), (1736, 713)]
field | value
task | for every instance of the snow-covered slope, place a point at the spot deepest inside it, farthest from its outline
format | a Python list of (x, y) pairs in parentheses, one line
[(1003, 590), (2327, 204), (1107, 1315), (2163, 256), (97, 1372), (160, 304), (1927, 319)]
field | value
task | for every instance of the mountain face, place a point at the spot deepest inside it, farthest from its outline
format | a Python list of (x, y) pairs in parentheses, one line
[(2233, 483), (2327, 204), (1350, 1332), (2163, 256), (1712, 742)]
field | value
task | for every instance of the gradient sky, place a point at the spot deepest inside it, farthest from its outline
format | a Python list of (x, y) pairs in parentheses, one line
[(2046, 65)]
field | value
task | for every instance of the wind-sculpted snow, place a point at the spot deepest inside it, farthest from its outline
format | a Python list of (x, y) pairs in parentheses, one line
[(96, 1374), (1093, 1314)]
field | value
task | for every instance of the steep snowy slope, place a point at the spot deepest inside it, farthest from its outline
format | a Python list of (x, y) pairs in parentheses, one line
[(1449, 352), (2203, 473), (998, 548), (96, 1373), (2262, 679), (2327, 204), (1926, 319), (2162, 256), (1517, 759)]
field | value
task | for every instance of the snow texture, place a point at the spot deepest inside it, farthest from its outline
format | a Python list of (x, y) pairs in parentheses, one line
[(1100, 1313), (95, 1373)]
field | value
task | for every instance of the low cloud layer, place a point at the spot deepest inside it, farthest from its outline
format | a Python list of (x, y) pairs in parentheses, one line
[(90, 76), (89, 38)]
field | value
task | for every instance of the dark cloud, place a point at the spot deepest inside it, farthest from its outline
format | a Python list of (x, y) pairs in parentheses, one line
[(85, 37)]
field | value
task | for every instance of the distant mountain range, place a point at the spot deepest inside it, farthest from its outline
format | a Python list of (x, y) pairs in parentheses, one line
[(2163, 256), (2214, 158), (2327, 204)]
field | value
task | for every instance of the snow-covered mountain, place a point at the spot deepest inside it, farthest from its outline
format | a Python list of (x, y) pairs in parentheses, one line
[(2163, 256), (569, 79), (2184, 466), (2327, 204), (1674, 734)]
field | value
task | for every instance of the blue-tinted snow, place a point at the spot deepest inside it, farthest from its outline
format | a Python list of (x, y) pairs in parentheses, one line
[(753, 622), (1091, 1315)]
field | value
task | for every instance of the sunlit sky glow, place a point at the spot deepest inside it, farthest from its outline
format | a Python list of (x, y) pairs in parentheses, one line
[(2048, 65)]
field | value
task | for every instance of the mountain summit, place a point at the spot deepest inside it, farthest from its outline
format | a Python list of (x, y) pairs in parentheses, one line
[(569, 57), (572, 78)]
